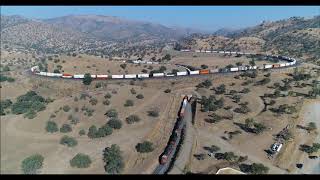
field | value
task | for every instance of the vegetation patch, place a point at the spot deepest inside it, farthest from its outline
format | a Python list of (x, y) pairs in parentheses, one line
[(112, 157), (80, 161), (32, 164)]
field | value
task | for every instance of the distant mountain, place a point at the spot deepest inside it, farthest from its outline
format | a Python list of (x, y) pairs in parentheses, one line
[(295, 36), (115, 28)]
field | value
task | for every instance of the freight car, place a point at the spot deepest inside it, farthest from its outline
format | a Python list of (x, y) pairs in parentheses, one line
[(175, 136)]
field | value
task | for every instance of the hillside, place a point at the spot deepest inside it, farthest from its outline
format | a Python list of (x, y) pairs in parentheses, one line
[(298, 37), (115, 28)]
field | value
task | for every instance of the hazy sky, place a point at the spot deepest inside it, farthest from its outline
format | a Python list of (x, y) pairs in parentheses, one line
[(199, 17)]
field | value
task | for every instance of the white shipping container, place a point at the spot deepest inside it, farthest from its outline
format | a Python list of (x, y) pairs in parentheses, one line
[(214, 70), (78, 76), (182, 73), (197, 50), (279, 147), (66, 76), (169, 75), (102, 76), (43, 73), (116, 76), (149, 62), (214, 51), (158, 74), (93, 76), (228, 52), (208, 51), (282, 65), (234, 69), (233, 52), (221, 52), (287, 64), (194, 72), (268, 66), (143, 75), (130, 76)]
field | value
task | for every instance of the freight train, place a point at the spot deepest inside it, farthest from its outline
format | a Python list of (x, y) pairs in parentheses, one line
[(176, 134), (291, 62)]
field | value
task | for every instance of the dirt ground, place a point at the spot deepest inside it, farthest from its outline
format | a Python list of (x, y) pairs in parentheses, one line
[(22, 137)]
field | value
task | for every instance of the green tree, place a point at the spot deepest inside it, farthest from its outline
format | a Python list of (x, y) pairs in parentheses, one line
[(203, 66), (112, 156), (129, 102), (32, 164), (132, 119), (115, 123), (87, 79), (80, 161), (65, 128), (68, 141), (92, 132), (52, 127), (112, 113), (139, 96), (82, 132), (144, 147)]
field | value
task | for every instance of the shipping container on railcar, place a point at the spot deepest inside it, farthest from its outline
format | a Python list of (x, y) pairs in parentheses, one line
[(54, 74), (267, 66), (194, 72), (215, 51), (78, 76), (208, 51), (169, 75), (93, 76), (221, 52), (102, 76), (143, 75), (275, 65), (234, 69), (182, 73), (198, 51), (65, 75), (214, 71), (242, 68), (204, 71), (117, 76), (282, 65), (287, 64), (158, 74), (130, 76)]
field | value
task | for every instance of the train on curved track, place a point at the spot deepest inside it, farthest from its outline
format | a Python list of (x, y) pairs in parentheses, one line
[(188, 72)]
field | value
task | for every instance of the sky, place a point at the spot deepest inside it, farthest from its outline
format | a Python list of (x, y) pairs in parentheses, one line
[(198, 17)]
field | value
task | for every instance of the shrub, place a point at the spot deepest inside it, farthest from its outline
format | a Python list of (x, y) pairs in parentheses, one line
[(167, 91), (65, 128), (112, 156), (52, 127), (87, 79), (92, 131), (29, 103), (115, 123), (68, 141), (98, 85), (123, 66), (153, 113), (128, 103), (203, 66), (140, 96), (106, 102), (111, 113), (80, 161), (133, 91), (30, 114), (32, 164), (66, 108), (204, 84), (76, 99), (93, 101), (82, 132), (144, 147), (212, 148), (132, 119), (107, 96)]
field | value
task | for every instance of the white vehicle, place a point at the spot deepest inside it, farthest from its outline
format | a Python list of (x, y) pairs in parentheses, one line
[(130, 76), (158, 74), (182, 73), (116, 76), (143, 75), (194, 72)]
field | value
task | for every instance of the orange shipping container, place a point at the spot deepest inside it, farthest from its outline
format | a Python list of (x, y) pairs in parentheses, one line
[(276, 65), (204, 71), (66, 74)]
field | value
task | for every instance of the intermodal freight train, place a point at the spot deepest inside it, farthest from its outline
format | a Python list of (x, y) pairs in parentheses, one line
[(291, 62)]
